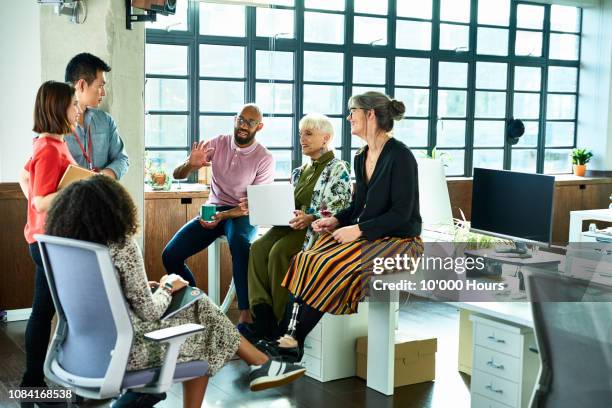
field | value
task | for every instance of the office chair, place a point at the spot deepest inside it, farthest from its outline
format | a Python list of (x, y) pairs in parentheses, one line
[(90, 348), (574, 338)]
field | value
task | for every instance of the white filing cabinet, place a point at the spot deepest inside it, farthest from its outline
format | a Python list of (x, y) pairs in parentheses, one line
[(504, 371), (329, 350)]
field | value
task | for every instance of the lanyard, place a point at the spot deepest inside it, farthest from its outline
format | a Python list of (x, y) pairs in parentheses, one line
[(89, 147)]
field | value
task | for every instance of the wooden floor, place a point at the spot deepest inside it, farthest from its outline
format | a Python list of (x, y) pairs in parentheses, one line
[(229, 388)]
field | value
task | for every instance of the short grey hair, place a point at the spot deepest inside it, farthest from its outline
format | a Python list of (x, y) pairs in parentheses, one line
[(317, 121)]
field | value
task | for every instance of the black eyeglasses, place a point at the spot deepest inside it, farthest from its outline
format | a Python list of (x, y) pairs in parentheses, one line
[(249, 122)]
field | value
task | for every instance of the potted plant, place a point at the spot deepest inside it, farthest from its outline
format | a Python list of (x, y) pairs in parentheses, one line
[(580, 157)]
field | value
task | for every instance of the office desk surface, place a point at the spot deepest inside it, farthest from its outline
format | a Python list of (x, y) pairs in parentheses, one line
[(540, 259), (514, 312)]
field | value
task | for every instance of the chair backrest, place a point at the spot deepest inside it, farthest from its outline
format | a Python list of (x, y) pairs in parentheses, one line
[(574, 335), (94, 332), (435, 205)]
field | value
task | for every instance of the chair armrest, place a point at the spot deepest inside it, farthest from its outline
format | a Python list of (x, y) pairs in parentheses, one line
[(164, 335), (175, 337)]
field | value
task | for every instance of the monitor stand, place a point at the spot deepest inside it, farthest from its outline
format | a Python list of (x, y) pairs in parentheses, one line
[(520, 250)]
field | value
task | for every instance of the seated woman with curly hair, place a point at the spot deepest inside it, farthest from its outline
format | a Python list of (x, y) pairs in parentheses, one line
[(100, 210)]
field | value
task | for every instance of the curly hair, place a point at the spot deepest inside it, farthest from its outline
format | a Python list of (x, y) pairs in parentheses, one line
[(97, 209)]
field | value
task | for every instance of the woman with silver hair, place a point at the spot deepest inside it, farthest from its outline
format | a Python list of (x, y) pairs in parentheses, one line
[(322, 188)]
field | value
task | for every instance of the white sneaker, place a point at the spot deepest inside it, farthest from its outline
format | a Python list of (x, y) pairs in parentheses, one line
[(274, 373)]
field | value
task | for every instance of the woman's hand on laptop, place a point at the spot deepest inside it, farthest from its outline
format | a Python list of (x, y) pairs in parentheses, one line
[(178, 283), (327, 224), (301, 220)]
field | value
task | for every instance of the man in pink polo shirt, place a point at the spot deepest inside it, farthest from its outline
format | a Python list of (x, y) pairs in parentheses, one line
[(237, 161)]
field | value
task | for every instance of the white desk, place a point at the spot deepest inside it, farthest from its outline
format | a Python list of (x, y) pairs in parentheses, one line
[(577, 218)]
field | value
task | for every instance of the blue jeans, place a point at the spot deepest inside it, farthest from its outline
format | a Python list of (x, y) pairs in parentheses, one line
[(38, 329), (193, 238)]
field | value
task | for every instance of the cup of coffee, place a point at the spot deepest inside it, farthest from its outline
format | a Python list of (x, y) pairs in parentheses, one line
[(207, 211)]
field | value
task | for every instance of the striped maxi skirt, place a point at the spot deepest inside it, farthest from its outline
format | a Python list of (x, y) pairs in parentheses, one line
[(333, 278)]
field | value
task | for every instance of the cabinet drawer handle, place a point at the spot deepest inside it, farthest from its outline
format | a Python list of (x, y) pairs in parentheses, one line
[(491, 364), (493, 338), (490, 388)]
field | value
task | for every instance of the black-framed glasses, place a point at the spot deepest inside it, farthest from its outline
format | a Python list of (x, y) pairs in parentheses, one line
[(249, 122)]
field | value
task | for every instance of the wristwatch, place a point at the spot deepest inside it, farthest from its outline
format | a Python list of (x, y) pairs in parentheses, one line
[(168, 287)]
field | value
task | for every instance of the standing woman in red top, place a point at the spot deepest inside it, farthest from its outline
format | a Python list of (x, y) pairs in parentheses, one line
[(55, 112)]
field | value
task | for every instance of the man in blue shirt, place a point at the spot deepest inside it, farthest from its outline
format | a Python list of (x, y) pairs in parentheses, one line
[(95, 143)]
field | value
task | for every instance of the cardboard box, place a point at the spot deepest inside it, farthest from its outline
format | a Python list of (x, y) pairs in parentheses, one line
[(74, 173), (415, 358)]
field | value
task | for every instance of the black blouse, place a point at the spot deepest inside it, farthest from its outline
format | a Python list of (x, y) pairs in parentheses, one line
[(387, 205)]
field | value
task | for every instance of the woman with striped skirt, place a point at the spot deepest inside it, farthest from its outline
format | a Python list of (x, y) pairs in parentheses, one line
[(382, 220)]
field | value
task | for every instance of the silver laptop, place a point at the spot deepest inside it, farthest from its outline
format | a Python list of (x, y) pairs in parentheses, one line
[(271, 204)]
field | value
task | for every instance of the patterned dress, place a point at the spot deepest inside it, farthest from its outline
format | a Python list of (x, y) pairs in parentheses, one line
[(216, 344)]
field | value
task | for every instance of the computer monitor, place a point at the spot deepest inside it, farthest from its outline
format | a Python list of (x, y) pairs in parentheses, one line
[(513, 205)]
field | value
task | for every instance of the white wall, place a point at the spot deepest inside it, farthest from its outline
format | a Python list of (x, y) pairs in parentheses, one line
[(19, 80), (595, 99)]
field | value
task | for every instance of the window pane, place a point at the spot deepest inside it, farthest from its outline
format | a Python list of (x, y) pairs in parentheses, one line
[(214, 18), (166, 160), (490, 104), (221, 96), (412, 71), (526, 106), (557, 161), (489, 133), (276, 23), (450, 133), (528, 43), (323, 66), (524, 160), (370, 30), (491, 75), (176, 22), (454, 37), (527, 78), (492, 41), (277, 131), (323, 28), (530, 16), (337, 136), (455, 10), (165, 94), (274, 98), (453, 163), (494, 12), (166, 130), (530, 138), (560, 107), (213, 126), (371, 7), (564, 18), (415, 100), (325, 99), (325, 4), (165, 59), (559, 134), (282, 163), (414, 8), (562, 79), (221, 61), (274, 65), (451, 103), (452, 74), (563, 47), (413, 132), (414, 35), (488, 159), (363, 89), (369, 70)]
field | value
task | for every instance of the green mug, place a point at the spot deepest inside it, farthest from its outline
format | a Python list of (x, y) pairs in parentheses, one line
[(207, 211)]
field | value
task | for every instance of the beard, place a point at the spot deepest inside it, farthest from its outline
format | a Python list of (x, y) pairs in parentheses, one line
[(241, 139)]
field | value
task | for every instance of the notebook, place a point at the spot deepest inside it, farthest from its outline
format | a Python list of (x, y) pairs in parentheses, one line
[(74, 173), (181, 299), (271, 204)]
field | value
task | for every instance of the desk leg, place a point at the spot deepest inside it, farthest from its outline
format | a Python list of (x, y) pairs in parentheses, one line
[(214, 272), (381, 341)]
